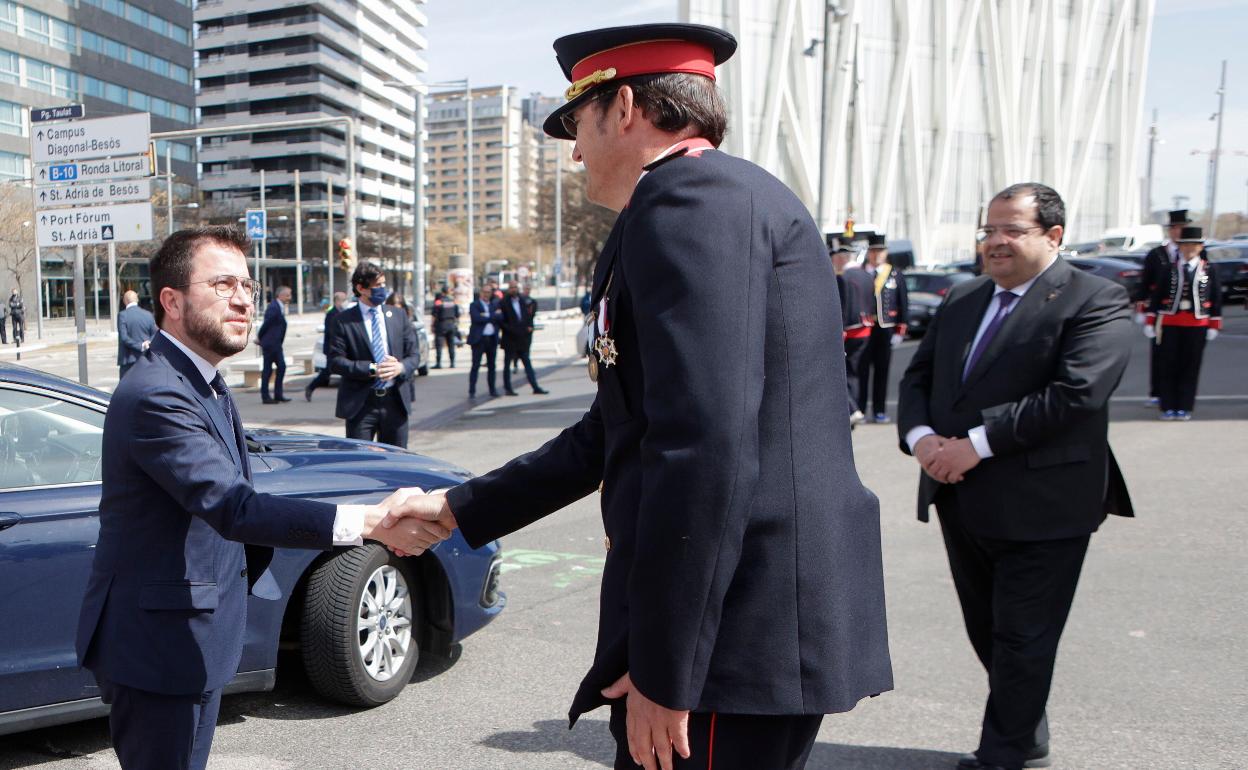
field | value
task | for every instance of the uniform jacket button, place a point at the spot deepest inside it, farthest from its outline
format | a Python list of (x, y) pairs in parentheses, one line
[(606, 541), (243, 573)]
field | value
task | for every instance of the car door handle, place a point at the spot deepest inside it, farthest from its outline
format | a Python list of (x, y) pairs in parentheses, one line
[(8, 519)]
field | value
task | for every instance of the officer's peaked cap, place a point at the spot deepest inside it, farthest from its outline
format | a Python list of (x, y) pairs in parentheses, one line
[(599, 57)]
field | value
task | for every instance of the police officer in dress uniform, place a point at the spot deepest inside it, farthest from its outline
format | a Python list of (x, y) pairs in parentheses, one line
[(855, 291), (1158, 263), (742, 595), (888, 311), (1184, 312), (445, 326)]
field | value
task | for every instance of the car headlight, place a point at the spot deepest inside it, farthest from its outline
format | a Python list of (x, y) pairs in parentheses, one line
[(493, 580)]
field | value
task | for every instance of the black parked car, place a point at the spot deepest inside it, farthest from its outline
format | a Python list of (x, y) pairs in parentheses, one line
[(925, 291), (1123, 272), (1230, 260)]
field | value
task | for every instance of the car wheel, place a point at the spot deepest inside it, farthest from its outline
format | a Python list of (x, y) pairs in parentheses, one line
[(360, 626)]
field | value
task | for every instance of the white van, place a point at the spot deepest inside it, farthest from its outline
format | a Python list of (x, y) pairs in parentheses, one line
[(1137, 238)]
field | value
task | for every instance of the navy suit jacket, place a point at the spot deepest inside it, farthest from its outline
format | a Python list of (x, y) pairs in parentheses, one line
[(166, 603), (743, 572), (273, 329), (134, 327), (479, 318), (351, 353)]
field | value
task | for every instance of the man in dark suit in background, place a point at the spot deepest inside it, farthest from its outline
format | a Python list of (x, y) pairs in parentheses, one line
[(322, 377), (519, 313), (163, 615), (17, 315), (135, 329), (486, 317), (374, 349), (742, 595), (1006, 407), (272, 335)]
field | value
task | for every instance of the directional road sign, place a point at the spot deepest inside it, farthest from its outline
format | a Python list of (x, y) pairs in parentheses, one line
[(94, 224), (126, 167), (119, 191), (42, 114), (257, 224), (98, 138)]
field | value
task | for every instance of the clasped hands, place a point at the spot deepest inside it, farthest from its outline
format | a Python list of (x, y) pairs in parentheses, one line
[(946, 459), (409, 522), (389, 368)]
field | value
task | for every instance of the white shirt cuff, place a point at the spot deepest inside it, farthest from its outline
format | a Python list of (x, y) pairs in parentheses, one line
[(349, 525), (979, 440), (917, 434)]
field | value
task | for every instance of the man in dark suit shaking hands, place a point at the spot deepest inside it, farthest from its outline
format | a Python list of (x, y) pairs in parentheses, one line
[(163, 617), (272, 335), (1006, 407), (373, 348)]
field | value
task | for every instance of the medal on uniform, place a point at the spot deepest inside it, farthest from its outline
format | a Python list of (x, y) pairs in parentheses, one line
[(604, 351), (590, 323)]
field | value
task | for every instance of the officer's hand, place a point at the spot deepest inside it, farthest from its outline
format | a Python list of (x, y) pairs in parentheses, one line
[(1150, 332), (653, 731), (1211, 335), (897, 340), (413, 537)]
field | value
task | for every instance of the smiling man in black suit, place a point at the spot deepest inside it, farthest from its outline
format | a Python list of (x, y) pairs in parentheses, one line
[(1006, 407)]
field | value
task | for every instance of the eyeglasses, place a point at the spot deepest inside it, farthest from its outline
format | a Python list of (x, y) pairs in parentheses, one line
[(227, 285), (1009, 232), (569, 123)]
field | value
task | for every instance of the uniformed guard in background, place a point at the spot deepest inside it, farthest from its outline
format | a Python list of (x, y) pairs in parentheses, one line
[(742, 594), (888, 312), (1184, 312), (1158, 263), (857, 295)]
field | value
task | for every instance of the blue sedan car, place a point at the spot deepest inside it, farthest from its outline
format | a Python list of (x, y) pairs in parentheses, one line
[(360, 617)]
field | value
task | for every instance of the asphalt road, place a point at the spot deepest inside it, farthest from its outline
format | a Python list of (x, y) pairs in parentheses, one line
[(1151, 673)]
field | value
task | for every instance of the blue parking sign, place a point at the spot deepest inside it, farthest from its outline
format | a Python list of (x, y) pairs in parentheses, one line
[(257, 224)]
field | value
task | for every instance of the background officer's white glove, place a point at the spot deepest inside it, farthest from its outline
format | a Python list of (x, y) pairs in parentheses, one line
[(1139, 318), (1211, 335), (1150, 332), (897, 338)]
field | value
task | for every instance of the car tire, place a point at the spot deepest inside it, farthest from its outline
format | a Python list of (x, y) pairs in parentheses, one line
[(361, 608)]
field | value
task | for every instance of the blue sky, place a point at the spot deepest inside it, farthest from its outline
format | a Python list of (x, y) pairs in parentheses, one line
[(493, 41)]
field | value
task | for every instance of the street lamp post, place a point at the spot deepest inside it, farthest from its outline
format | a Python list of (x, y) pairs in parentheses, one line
[(558, 220), (419, 285)]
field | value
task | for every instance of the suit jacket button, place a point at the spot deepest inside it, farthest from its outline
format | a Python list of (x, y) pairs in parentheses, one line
[(243, 573)]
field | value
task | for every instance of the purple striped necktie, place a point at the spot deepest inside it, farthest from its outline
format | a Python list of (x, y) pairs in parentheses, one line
[(1004, 300)]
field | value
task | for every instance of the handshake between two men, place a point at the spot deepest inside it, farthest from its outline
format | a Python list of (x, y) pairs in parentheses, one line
[(409, 522), (946, 459)]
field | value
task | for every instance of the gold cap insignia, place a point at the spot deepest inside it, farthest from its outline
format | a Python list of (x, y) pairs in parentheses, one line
[(588, 82)]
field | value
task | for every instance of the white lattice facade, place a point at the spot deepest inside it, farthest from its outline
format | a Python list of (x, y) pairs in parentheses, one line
[(954, 100)]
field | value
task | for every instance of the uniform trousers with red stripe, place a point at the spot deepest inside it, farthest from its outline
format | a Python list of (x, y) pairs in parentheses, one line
[(1178, 366), (733, 741)]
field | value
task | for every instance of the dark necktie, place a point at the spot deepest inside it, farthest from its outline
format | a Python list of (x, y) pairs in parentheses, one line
[(1005, 299), (226, 402)]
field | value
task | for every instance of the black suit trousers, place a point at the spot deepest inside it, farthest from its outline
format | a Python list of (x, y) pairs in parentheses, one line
[(154, 731), (19, 327), (875, 361), (273, 359), (446, 338), (1015, 597), (855, 353), (4, 324), (519, 353), (732, 741), (487, 348), (1178, 359), (383, 419)]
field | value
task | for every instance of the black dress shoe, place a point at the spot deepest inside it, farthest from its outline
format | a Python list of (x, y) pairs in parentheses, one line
[(493, 394), (511, 392), (282, 400), (307, 393), (265, 400), (540, 391), (1039, 757)]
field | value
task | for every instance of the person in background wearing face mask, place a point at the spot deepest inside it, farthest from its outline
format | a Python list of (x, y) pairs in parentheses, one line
[(373, 348), (518, 314)]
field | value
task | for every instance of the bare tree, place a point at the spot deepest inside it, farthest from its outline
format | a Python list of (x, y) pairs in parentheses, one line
[(17, 233), (586, 225)]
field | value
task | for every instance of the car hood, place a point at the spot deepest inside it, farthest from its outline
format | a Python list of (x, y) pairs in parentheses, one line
[(290, 462)]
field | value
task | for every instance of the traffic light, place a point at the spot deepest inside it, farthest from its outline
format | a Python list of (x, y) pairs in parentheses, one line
[(346, 254)]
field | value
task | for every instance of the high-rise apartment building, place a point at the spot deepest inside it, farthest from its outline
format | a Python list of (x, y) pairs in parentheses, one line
[(504, 159), (267, 61), (112, 56)]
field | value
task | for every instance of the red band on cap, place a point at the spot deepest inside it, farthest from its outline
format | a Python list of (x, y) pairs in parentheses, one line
[(650, 57)]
